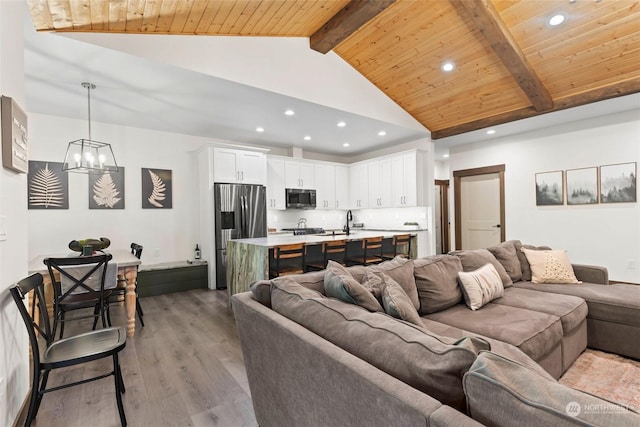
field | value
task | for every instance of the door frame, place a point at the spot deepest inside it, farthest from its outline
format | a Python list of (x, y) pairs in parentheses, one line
[(444, 214), (457, 175)]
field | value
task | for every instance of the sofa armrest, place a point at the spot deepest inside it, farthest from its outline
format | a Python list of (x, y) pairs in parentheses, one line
[(591, 273)]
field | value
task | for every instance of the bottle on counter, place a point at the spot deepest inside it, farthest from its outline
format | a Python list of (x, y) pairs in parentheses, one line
[(196, 254)]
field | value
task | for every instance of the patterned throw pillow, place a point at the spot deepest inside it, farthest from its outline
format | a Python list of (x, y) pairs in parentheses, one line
[(481, 286), (551, 266)]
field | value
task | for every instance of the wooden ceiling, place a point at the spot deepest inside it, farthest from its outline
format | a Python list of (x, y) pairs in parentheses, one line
[(509, 64)]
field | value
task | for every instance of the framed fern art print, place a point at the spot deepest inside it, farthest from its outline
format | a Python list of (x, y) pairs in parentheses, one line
[(106, 191), (47, 186), (156, 189)]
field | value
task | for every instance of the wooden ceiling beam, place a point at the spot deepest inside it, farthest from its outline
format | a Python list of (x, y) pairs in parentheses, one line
[(487, 20), (607, 92), (346, 22)]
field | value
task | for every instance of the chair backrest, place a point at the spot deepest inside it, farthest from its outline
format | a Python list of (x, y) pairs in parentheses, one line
[(80, 275), (372, 247), (136, 250), (401, 240), (333, 247), (295, 250), (36, 321)]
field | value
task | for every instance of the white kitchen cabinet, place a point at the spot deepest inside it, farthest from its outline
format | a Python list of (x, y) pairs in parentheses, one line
[(405, 179), (359, 186), (342, 187), (298, 174), (325, 185), (380, 185), (275, 184), (238, 166)]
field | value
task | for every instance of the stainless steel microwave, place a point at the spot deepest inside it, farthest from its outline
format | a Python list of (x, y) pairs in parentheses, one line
[(300, 199)]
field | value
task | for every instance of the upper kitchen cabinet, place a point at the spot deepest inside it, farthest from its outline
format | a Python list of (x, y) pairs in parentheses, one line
[(275, 184), (298, 174), (359, 186), (325, 180), (238, 166), (406, 176), (342, 187), (380, 185)]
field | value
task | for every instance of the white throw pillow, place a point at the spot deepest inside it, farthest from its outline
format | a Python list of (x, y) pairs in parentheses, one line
[(481, 286), (551, 266)]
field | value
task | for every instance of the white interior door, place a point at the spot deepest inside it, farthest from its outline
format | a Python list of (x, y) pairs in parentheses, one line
[(480, 213)]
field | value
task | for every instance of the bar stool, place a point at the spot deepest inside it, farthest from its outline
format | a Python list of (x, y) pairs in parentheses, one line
[(401, 240), (335, 250), (371, 252), (294, 257)]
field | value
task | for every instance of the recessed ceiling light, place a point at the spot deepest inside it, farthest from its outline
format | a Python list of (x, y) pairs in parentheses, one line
[(448, 66), (307, 138), (289, 113), (346, 144), (341, 124), (382, 133), (259, 129), (445, 156), (491, 132), (556, 19)]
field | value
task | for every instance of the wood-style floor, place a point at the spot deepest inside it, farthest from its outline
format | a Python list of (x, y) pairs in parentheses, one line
[(184, 368)]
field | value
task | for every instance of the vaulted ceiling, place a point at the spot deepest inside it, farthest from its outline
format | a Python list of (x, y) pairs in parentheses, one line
[(509, 63)]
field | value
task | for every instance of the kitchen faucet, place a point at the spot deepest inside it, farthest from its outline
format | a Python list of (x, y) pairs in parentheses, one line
[(349, 218)]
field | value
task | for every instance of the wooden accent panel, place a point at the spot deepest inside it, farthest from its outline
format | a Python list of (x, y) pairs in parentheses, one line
[(487, 20), (346, 22)]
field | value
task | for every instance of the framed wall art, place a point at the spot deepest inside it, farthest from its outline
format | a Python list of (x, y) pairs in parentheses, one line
[(156, 189), (550, 188), (582, 186), (47, 186), (106, 191), (618, 183)]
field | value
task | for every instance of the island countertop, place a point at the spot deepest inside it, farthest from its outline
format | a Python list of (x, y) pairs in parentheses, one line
[(310, 239)]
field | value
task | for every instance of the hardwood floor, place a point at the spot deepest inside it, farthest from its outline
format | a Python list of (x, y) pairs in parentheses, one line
[(184, 368)]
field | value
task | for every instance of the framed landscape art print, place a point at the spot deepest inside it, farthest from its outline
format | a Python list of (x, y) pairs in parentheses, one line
[(550, 188), (618, 183), (582, 186)]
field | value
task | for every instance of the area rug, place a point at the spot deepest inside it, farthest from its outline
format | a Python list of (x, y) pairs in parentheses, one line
[(606, 375)]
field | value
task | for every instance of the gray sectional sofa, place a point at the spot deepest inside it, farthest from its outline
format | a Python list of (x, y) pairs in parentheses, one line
[(314, 360)]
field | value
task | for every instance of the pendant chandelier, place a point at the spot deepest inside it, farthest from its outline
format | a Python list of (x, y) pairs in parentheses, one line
[(87, 155)]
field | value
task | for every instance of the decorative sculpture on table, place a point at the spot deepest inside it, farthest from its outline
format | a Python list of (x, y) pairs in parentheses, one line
[(97, 244)]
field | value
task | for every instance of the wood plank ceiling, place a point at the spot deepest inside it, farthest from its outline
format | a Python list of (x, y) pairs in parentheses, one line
[(509, 63)]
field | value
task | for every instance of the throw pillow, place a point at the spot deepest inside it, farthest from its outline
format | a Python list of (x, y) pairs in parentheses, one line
[(473, 259), (437, 282), (481, 286), (552, 266), (401, 270), (524, 264), (507, 255), (396, 302), (338, 283)]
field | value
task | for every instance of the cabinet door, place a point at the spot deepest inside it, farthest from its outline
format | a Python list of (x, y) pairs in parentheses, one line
[(292, 174), (386, 184), (342, 187), (275, 184), (329, 186), (252, 167), (224, 165), (404, 180), (375, 184), (319, 172), (359, 186), (306, 175)]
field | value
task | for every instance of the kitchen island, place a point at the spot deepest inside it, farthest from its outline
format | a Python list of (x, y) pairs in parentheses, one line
[(248, 259)]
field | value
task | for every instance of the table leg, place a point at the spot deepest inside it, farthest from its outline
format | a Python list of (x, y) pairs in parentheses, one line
[(131, 274)]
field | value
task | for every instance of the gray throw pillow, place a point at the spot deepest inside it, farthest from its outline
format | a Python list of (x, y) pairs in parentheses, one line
[(473, 259), (437, 282), (507, 255), (338, 283), (261, 290), (524, 262), (401, 270), (396, 302)]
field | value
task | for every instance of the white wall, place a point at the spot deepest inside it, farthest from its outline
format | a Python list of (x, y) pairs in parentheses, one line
[(166, 234), (603, 234), (14, 353)]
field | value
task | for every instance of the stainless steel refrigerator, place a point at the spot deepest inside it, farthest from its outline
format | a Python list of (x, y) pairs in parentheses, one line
[(240, 212)]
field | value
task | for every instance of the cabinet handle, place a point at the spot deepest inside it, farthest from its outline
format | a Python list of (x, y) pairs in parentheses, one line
[(242, 174)]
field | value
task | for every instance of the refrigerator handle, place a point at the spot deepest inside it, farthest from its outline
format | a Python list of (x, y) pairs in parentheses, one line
[(243, 215)]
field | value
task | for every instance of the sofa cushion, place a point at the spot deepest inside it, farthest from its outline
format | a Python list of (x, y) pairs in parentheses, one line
[(473, 259), (507, 256), (480, 286), (571, 310), (437, 282), (312, 280), (524, 264), (536, 334), (339, 284), (396, 302), (401, 270), (550, 266), (500, 391), (425, 361)]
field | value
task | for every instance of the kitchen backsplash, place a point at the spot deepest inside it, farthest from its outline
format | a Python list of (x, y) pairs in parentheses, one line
[(390, 218)]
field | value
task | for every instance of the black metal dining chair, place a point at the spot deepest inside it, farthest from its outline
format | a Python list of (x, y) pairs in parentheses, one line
[(79, 283), (74, 350), (121, 288)]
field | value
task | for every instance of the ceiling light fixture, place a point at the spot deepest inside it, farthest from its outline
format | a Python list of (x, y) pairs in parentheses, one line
[(307, 138), (341, 124), (445, 156), (346, 144), (491, 132), (556, 19), (289, 112), (448, 66), (87, 155), (382, 133), (259, 129)]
